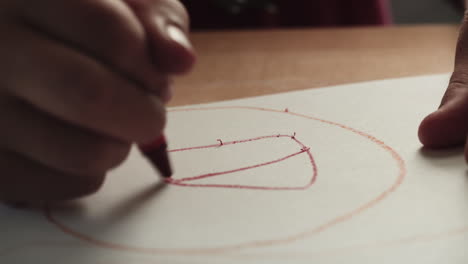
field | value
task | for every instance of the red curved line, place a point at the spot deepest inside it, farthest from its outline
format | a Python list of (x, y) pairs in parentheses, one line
[(260, 243), (238, 186), (180, 182), (235, 186), (208, 175)]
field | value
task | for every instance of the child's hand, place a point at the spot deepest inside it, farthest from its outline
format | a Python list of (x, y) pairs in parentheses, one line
[(448, 126), (74, 81)]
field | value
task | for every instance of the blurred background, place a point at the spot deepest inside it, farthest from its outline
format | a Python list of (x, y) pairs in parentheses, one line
[(251, 14)]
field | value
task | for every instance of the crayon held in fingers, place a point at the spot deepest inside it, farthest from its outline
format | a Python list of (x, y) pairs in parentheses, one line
[(156, 153)]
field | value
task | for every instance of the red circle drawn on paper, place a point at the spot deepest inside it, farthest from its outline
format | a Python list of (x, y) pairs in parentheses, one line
[(259, 243)]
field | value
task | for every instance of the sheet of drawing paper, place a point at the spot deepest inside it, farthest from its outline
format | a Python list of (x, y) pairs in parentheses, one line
[(332, 175)]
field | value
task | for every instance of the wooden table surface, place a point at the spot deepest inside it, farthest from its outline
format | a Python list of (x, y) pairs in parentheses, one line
[(247, 63)]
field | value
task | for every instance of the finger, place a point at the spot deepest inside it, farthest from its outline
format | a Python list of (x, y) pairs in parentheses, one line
[(167, 25), (24, 180), (103, 29), (448, 125), (55, 143), (76, 88), (466, 151)]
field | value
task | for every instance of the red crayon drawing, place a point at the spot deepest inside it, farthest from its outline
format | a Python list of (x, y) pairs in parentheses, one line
[(301, 150), (259, 243)]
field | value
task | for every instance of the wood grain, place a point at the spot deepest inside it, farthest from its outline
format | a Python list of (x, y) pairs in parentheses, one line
[(248, 63)]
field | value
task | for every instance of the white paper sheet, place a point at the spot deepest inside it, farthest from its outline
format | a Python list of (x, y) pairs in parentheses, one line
[(332, 175)]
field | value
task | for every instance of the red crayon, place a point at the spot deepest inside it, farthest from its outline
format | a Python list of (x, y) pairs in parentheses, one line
[(156, 152)]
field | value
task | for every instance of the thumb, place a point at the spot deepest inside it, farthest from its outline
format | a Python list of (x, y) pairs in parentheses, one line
[(448, 126), (166, 23)]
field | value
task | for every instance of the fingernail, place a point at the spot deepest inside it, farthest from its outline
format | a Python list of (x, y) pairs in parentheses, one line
[(179, 36)]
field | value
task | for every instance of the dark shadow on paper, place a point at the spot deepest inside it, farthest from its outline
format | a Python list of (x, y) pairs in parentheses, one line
[(133, 204), (125, 208), (451, 160), (441, 153)]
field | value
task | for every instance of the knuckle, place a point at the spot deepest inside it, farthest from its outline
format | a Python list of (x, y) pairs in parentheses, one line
[(118, 32), (460, 77), (107, 13), (458, 86)]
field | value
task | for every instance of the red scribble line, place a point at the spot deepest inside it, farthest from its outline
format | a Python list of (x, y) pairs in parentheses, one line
[(229, 143), (304, 149), (261, 243), (175, 181), (181, 181)]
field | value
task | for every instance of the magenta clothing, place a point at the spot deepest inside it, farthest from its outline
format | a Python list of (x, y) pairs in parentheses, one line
[(290, 13), (336, 13)]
